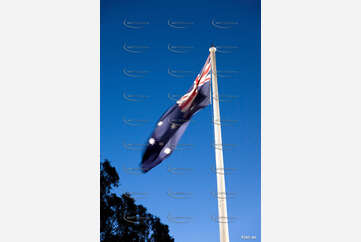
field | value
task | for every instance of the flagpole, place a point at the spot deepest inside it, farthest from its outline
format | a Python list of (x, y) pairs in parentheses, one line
[(221, 187)]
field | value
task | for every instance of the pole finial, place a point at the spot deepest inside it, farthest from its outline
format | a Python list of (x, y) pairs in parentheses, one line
[(212, 48)]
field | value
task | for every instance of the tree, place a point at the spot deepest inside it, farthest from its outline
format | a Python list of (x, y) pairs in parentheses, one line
[(121, 220)]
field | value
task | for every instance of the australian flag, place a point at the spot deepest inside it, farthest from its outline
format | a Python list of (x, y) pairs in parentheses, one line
[(171, 126)]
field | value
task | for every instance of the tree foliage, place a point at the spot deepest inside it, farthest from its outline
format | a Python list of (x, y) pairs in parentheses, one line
[(121, 220)]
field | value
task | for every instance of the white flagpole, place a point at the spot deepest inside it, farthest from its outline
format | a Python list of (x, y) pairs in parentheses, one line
[(221, 187)]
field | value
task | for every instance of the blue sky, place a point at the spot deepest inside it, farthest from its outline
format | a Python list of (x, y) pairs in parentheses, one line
[(136, 90)]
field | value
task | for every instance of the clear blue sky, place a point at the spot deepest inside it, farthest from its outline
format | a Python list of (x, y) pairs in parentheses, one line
[(237, 27)]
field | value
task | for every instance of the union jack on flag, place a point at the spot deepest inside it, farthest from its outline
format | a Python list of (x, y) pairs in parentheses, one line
[(205, 76), (171, 126)]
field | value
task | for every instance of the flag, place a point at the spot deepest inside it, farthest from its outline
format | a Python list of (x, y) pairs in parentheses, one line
[(171, 126)]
